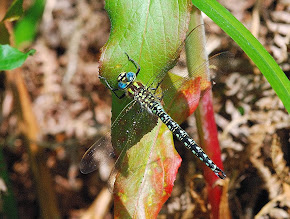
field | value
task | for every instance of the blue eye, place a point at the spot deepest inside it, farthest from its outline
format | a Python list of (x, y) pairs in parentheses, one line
[(122, 85), (130, 76)]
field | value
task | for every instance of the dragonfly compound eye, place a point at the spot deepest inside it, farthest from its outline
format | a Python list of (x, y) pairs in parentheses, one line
[(130, 76), (122, 85)]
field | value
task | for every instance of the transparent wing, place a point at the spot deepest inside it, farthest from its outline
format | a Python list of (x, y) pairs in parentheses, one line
[(189, 86), (192, 89), (102, 147), (192, 35), (142, 123), (132, 127), (93, 157), (128, 128)]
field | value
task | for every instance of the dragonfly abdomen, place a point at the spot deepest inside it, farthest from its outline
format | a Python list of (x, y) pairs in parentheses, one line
[(158, 110), (147, 100)]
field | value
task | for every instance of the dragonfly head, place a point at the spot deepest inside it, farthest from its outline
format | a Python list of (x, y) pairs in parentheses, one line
[(125, 79)]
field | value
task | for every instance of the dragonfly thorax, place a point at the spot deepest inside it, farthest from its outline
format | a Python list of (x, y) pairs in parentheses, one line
[(125, 79)]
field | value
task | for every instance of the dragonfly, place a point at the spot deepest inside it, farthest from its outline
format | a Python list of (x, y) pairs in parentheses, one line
[(147, 104)]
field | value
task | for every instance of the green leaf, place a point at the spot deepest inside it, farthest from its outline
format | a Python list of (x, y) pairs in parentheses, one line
[(11, 58), (151, 32), (252, 47), (15, 11), (25, 30)]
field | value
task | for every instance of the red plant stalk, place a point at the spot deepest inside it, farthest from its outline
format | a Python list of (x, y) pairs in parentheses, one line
[(208, 136), (204, 114)]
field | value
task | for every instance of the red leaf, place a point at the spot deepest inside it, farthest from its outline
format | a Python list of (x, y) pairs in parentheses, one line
[(140, 191), (185, 100)]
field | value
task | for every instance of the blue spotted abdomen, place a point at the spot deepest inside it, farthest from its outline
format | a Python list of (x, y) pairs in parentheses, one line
[(147, 100), (158, 110)]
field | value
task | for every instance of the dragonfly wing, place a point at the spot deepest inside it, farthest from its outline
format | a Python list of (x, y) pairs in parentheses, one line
[(183, 92), (138, 126), (93, 157), (194, 37), (131, 127), (101, 150), (128, 128)]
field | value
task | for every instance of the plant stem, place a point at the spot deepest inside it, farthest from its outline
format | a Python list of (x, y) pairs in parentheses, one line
[(204, 114), (28, 125)]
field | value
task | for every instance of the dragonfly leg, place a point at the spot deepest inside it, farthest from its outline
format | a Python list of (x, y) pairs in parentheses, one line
[(112, 89), (108, 85), (120, 97), (135, 63), (155, 89), (159, 84)]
